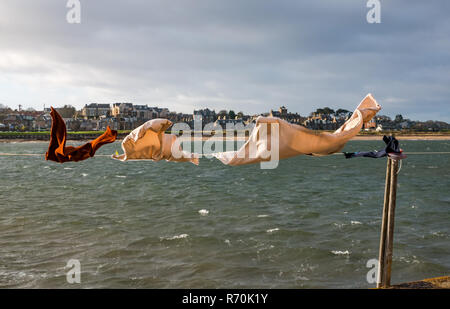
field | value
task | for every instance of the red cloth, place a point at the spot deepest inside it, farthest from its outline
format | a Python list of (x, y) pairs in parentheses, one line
[(59, 152)]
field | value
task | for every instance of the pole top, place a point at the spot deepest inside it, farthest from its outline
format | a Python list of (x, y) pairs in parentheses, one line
[(397, 156)]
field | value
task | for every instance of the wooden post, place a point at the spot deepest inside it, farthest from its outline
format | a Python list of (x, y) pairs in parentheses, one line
[(387, 223), (391, 219), (381, 256)]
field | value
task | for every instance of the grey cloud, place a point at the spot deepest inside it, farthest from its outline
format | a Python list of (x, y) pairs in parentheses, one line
[(241, 55)]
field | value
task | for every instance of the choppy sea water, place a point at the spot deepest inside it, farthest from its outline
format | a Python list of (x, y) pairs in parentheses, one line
[(310, 223)]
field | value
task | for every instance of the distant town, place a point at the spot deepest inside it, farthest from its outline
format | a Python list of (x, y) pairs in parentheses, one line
[(127, 116)]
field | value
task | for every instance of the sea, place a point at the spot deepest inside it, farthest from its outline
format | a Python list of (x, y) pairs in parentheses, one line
[(313, 222)]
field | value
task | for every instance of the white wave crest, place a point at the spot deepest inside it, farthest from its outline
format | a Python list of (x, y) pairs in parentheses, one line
[(203, 212), (346, 252), (273, 230), (181, 236)]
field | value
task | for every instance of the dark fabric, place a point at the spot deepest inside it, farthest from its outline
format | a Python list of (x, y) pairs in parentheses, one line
[(59, 152), (392, 146)]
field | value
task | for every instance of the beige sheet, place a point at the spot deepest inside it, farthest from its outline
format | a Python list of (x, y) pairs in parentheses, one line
[(150, 142), (271, 140)]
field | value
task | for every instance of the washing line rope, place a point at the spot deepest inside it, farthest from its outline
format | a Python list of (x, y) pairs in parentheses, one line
[(400, 167), (7, 154)]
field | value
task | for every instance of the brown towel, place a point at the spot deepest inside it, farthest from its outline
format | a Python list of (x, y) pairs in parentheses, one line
[(57, 150)]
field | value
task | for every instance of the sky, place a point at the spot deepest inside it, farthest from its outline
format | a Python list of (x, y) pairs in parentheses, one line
[(241, 55)]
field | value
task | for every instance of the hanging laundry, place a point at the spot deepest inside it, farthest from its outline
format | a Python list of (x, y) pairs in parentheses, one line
[(150, 142), (272, 139), (59, 152), (392, 146), (287, 140)]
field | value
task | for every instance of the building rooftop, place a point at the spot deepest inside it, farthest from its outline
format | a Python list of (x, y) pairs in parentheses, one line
[(97, 105)]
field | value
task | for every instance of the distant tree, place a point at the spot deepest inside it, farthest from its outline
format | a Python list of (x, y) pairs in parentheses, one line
[(231, 114), (325, 111), (240, 115), (398, 118), (329, 111), (341, 112), (319, 111), (222, 113), (68, 111)]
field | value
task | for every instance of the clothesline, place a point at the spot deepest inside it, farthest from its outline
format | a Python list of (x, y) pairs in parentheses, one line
[(4, 154), (150, 142), (272, 139)]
